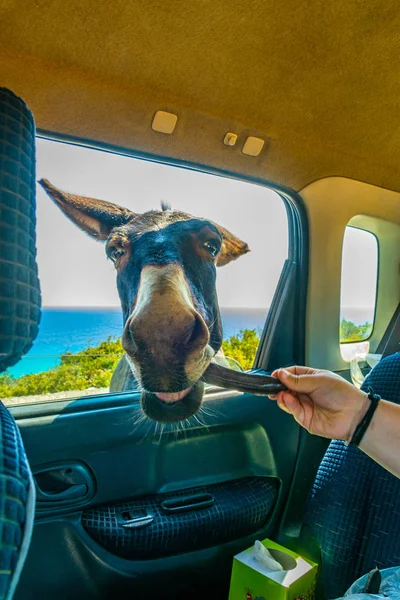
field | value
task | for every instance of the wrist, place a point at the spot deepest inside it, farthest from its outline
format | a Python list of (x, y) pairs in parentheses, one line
[(365, 422), (359, 413)]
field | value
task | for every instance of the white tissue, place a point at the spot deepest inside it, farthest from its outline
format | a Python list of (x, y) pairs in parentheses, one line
[(261, 554)]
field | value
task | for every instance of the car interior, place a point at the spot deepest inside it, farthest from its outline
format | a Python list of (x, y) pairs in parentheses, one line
[(297, 100)]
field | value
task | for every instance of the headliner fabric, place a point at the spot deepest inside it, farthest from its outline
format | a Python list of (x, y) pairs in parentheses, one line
[(354, 506), (318, 80), (17, 504)]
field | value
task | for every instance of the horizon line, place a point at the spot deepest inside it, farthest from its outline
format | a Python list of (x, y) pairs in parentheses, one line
[(118, 307)]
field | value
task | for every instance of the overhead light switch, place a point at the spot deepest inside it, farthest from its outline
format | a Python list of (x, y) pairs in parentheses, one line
[(164, 122), (230, 139), (253, 146)]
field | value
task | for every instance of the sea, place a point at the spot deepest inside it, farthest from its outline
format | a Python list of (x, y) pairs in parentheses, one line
[(73, 329)]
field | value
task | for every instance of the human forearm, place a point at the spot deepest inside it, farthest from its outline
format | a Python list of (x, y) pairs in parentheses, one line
[(382, 438)]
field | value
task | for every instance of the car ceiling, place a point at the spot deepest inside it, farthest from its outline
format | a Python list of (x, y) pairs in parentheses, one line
[(318, 80)]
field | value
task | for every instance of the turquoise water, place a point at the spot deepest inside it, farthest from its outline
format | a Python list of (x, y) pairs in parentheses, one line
[(63, 330), (72, 329)]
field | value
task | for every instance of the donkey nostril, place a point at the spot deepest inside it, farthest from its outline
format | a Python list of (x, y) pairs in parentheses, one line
[(196, 331), (199, 333), (128, 341)]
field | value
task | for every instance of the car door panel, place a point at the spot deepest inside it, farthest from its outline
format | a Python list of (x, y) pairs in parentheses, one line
[(243, 436)]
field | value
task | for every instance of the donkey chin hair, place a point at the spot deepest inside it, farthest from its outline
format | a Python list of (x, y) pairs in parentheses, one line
[(135, 371)]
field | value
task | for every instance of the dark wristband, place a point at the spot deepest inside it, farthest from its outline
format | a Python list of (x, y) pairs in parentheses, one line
[(364, 423)]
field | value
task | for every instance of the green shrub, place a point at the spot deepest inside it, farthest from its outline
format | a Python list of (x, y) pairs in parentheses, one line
[(92, 367), (242, 347), (350, 332)]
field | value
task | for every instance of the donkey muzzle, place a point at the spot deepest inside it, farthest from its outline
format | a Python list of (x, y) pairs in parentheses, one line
[(168, 350), (173, 412)]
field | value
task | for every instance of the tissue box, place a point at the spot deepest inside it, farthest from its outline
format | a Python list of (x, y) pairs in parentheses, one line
[(250, 580)]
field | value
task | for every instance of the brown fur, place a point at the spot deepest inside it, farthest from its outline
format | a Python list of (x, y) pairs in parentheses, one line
[(166, 283)]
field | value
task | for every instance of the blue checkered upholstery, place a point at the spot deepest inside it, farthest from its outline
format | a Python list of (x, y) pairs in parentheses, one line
[(19, 318), (354, 506), (16, 504)]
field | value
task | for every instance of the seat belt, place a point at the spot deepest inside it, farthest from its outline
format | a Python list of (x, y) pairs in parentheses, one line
[(390, 343)]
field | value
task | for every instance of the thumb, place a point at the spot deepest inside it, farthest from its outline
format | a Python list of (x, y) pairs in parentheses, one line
[(297, 383)]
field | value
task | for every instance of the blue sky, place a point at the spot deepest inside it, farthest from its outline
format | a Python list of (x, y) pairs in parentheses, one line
[(73, 267)]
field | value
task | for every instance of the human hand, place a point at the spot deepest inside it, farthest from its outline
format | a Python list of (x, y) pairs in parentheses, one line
[(322, 402)]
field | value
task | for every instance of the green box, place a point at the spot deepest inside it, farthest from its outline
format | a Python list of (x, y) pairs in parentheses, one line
[(250, 580)]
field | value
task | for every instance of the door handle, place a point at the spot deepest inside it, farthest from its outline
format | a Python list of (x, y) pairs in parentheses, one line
[(72, 493), (63, 484)]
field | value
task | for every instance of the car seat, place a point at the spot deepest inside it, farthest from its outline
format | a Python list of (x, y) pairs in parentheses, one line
[(353, 510), (19, 320)]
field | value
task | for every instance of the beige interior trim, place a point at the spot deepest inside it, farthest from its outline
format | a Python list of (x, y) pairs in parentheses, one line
[(332, 204), (317, 81)]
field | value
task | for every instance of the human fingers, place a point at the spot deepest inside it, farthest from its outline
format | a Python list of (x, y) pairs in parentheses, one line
[(293, 405), (296, 370), (298, 379), (281, 403)]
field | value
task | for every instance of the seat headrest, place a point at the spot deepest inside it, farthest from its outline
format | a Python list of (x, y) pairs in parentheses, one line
[(19, 282)]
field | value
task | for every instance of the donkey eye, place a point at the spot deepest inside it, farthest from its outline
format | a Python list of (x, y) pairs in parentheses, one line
[(115, 254), (212, 246)]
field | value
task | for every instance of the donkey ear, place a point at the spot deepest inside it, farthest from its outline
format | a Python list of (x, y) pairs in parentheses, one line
[(96, 217), (231, 248)]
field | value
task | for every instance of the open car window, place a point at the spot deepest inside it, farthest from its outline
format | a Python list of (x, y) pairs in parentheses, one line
[(78, 346)]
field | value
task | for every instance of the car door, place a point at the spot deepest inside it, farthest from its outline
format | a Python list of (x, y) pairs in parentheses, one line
[(110, 495)]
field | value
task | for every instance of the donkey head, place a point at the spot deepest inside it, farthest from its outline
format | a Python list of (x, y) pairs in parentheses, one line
[(166, 270)]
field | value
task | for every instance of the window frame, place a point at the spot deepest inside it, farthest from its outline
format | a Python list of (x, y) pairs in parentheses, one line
[(376, 285), (282, 341)]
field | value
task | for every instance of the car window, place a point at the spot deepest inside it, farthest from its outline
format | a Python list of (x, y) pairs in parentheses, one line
[(358, 286), (78, 346)]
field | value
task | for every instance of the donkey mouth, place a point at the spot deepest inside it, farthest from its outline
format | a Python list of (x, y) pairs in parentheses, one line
[(170, 407), (172, 396)]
